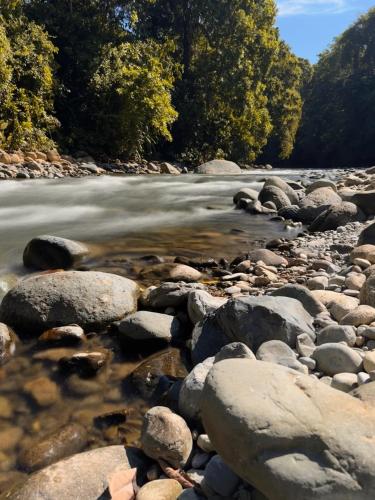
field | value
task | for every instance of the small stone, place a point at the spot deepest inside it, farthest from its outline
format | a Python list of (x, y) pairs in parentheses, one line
[(369, 361), (276, 351), (6, 410), (205, 444), (67, 335), (318, 283), (363, 378), (43, 391), (234, 350), (362, 263), (305, 345), (192, 388), (161, 489), (146, 325), (10, 437), (309, 362), (199, 460), (86, 364), (166, 436), (344, 381)]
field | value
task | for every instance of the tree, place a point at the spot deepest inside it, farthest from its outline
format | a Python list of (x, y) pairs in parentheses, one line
[(132, 105), (26, 81), (226, 49), (337, 125)]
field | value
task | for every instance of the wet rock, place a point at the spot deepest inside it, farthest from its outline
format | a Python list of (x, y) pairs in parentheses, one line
[(317, 202), (363, 315), (303, 295), (254, 320), (337, 215), (62, 443), (145, 325), (268, 257), (219, 167), (192, 388), (85, 364), (43, 391), (67, 335), (337, 358), (201, 303), (166, 436), (10, 437), (275, 351), (7, 343), (153, 376), (83, 476), (275, 195), (245, 194), (6, 410), (161, 489), (337, 333), (89, 299), (288, 432), (83, 387), (53, 252)]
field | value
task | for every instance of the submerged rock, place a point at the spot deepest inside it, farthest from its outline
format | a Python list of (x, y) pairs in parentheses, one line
[(89, 299), (273, 426), (53, 252), (146, 325), (7, 343)]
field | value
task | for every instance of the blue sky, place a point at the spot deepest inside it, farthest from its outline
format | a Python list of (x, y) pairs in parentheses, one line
[(309, 26)]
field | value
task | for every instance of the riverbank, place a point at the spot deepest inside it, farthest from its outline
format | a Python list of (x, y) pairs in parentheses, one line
[(264, 355), (52, 165)]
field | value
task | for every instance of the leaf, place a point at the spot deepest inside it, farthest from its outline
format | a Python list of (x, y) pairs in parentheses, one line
[(122, 483)]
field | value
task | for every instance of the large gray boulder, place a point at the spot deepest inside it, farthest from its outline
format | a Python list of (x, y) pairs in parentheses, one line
[(337, 215), (365, 200), (367, 237), (303, 295), (219, 167), (52, 252), (254, 320), (284, 186), (82, 476), (89, 299), (289, 435), (317, 202)]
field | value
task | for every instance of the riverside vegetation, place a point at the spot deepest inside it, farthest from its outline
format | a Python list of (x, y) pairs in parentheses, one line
[(248, 379), (184, 81)]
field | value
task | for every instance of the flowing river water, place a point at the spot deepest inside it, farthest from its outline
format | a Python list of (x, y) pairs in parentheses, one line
[(121, 218)]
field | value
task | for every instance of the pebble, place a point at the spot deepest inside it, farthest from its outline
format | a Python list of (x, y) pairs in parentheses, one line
[(205, 444), (43, 391)]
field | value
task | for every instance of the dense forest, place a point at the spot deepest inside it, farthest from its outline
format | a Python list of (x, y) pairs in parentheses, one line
[(181, 79)]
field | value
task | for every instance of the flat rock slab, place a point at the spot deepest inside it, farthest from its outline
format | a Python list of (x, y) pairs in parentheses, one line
[(290, 436), (82, 476), (88, 299)]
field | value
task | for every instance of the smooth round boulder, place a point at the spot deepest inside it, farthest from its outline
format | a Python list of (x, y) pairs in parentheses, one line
[(219, 167), (337, 215), (362, 315), (192, 388), (303, 295), (160, 489), (284, 186), (165, 436), (146, 325), (268, 257), (319, 184), (275, 195), (245, 194), (82, 476), (337, 333), (91, 300), (52, 252), (275, 351), (274, 426), (366, 252), (317, 202), (336, 358)]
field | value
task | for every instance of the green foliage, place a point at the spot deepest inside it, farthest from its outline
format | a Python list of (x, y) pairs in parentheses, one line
[(26, 81), (132, 106), (337, 124)]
